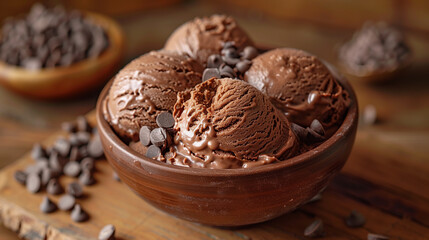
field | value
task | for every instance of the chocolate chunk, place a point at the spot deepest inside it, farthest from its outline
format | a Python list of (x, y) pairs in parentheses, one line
[(315, 229), (158, 136), (317, 127), (210, 73), (62, 146), (145, 135), (83, 151), (54, 187), (355, 219), (249, 53), (69, 127), (153, 151), (87, 164), (95, 149), (82, 124), (107, 233), (243, 65), (66, 202), (33, 183), (214, 61), (20, 177), (47, 206), (38, 152), (165, 120), (78, 214), (373, 236), (86, 178), (75, 189), (72, 169)]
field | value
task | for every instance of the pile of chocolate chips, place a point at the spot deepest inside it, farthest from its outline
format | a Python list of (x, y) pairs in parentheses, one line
[(230, 63), (74, 157), (48, 38), (158, 139)]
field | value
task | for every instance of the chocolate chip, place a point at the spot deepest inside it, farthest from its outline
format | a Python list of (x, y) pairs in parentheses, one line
[(95, 149), (165, 120), (153, 151), (62, 146), (158, 136), (47, 175), (317, 127), (313, 137), (32, 64), (243, 65), (230, 52), (210, 73), (33, 183), (75, 154), (20, 177), (83, 151), (226, 71), (83, 137), (78, 214), (214, 61), (75, 189), (369, 115), (116, 177), (72, 169), (69, 127), (230, 60), (299, 131), (82, 124), (74, 140), (145, 135), (107, 233), (315, 229), (316, 198), (86, 178), (373, 236), (54, 187), (47, 206), (38, 152), (87, 164), (66, 202), (56, 162), (355, 219), (249, 53), (229, 44)]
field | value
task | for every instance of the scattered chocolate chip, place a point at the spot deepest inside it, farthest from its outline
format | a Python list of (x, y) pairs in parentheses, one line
[(75, 154), (230, 60), (355, 219), (95, 149), (47, 175), (83, 137), (33, 183), (47, 206), (72, 169), (230, 52), (20, 177), (249, 52), (86, 178), (75, 189), (226, 71), (56, 162), (214, 61), (369, 115), (116, 176), (317, 127), (229, 44), (62, 146), (87, 164), (107, 233), (243, 65), (158, 137), (66, 202), (78, 214), (82, 124), (145, 135), (165, 120), (315, 229), (210, 73), (69, 127), (54, 187), (373, 236), (313, 137), (38, 152), (153, 151), (74, 140)]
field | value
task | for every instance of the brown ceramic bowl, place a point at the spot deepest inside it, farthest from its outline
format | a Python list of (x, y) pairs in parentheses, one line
[(230, 197), (62, 82)]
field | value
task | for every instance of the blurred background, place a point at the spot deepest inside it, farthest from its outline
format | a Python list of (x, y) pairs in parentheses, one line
[(318, 26)]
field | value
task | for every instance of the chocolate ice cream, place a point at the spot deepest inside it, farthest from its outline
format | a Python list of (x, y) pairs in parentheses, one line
[(146, 87), (227, 123), (205, 36), (301, 85)]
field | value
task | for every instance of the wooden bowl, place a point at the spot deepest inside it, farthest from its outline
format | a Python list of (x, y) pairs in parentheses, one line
[(62, 82), (230, 197)]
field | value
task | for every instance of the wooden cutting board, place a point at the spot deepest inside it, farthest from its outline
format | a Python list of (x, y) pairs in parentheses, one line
[(384, 179)]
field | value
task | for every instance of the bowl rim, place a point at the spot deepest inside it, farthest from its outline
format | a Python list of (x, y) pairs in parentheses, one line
[(349, 125)]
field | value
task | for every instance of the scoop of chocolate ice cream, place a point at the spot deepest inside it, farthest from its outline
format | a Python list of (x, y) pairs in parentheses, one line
[(301, 85), (146, 87), (226, 123), (205, 36)]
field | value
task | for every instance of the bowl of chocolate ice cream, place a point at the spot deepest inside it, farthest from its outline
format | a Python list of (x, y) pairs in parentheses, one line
[(53, 53), (223, 134)]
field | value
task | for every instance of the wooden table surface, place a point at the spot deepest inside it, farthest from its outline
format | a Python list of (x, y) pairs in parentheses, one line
[(386, 176)]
